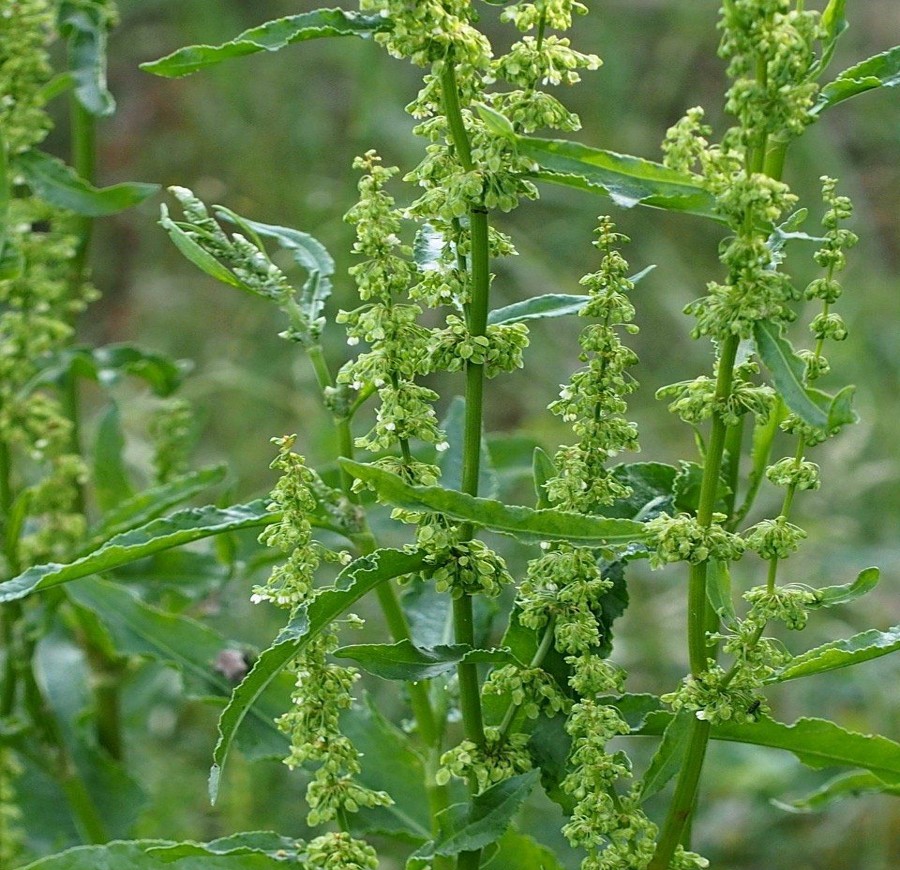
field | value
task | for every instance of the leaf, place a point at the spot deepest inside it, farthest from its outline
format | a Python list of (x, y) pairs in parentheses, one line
[(718, 591), (829, 596), (862, 647), (429, 614), (428, 248), (549, 305), (543, 470), (467, 828), (521, 522), (549, 745), (155, 501), (83, 25), (358, 578), (669, 755), (250, 843), (391, 764), (308, 253), (818, 743), (652, 486), (182, 527), (451, 460), (271, 36), (788, 373), (686, 488), (627, 180), (111, 483), (522, 852), (107, 364), (404, 661), (847, 785), (54, 182), (879, 71), (198, 255)]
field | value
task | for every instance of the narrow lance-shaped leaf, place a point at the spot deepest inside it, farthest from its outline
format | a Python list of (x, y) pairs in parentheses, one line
[(84, 27), (627, 180), (522, 522), (788, 373), (818, 743), (669, 755), (111, 483), (847, 785), (182, 527), (865, 582), (54, 182), (271, 36), (404, 661), (548, 305), (880, 71), (862, 647), (834, 23), (358, 578)]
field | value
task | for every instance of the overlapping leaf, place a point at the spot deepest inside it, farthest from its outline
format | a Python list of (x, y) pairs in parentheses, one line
[(862, 647), (879, 71)]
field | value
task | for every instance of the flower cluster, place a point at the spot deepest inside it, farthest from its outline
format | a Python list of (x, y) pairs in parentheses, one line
[(339, 851), (171, 428), (11, 833), (498, 350), (469, 568), (684, 538), (531, 689), (593, 401), (501, 757)]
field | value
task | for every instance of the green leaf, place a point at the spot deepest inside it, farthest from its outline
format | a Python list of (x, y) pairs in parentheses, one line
[(404, 661), (83, 25), (182, 527), (829, 596), (834, 24), (451, 460), (155, 501), (862, 647), (4, 208), (669, 755), (54, 182), (543, 470), (271, 36), (549, 745), (428, 248), (718, 591), (880, 71), (148, 855), (627, 180), (197, 255), (391, 764), (522, 852), (106, 365), (550, 305), (111, 483), (468, 827), (686, 488), (308, 253), (847, 785), (253, 842), (521, 522), (358, 578), (818, 743), (652, 485), (788, 373)]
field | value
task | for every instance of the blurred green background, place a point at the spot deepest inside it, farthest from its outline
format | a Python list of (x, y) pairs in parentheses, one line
[(272, 137)]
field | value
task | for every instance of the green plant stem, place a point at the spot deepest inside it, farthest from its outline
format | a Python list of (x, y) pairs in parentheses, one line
[(763, 438), (84, 159)]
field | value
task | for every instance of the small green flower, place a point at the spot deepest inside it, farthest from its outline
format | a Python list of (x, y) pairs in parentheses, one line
[(500, 758), (774, 539), (683, 538), (339, 851)]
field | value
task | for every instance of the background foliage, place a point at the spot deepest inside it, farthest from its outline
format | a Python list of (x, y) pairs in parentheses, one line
[(273, 138)]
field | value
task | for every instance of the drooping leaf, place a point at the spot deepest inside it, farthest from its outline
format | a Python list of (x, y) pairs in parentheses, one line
[(111, 483), (308, 253), (391, 764), (468, 827), (880, 71), (543, 470), (549, 745), (522, 522), (155, 501), (429, 613), (627, 180), (83, 26), (451, 460), (271, 36), (830, 596), (834, 23), (669, 755), (358, 578), (106, 365), (404, 661), (549, 305), (847, 785), (862, 647), (788, 373), (818, 743), (182, 527), (54, 182), (718, 591), (198, 255)]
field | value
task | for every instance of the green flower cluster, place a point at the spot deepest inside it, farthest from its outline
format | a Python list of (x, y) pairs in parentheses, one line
[(469, 568), (593, 401), (171, 430), (339, 851), (531, 690), (12, 836), (501, 757), (499, 350), (684, 538)]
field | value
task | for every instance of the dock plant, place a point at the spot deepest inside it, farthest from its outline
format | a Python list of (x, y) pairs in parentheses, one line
[(492, 632)]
